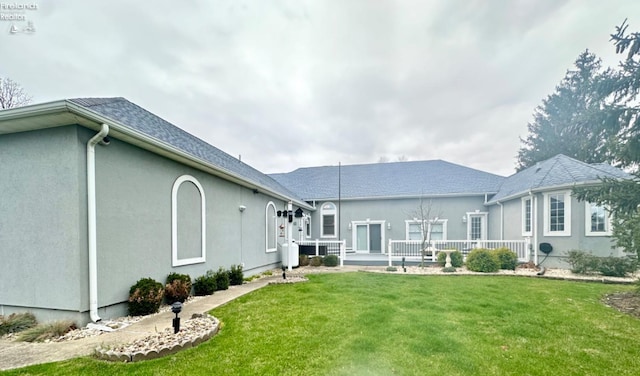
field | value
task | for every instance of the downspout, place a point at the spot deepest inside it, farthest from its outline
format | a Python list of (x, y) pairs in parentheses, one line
[(534, 226), (501, 220), (91, 220)]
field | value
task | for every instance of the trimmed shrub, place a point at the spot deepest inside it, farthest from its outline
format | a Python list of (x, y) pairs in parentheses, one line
[(482, 260), (617, 266), (315, 261), (507, 258), (145, 297), (456, 259), (178, 288), (449, 270), (222, 279), (236, 276), (392, 269), (17, 322), (585, 263), (205, 284), (330, 260), (303, 260), (582, 262), (47, 331)]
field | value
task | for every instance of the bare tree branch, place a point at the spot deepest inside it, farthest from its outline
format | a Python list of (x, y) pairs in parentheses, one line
[(12, 94), (427, 216)]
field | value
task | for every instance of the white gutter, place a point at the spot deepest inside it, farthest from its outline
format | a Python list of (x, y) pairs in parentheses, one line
[(91, 224), (501, 220)]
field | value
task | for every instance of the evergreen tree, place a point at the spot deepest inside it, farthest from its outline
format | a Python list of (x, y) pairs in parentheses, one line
[(622, 197), (571, 121)]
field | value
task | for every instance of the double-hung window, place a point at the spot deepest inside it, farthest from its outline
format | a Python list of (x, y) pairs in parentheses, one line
[(328, 214), (598, 221), (557, 214)]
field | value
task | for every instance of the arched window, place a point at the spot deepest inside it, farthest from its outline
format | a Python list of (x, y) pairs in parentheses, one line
[(188, 222), (271, 221), (328, 228)]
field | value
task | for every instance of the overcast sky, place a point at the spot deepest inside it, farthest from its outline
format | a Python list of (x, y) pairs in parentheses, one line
[(290, 84)]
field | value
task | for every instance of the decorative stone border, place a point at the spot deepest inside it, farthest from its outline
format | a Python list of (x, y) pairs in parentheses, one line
[(172, 348), (291, 278)]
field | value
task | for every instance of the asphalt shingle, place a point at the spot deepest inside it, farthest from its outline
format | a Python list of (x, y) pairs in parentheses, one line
[(559, 171), (143, 121), (416, 178)]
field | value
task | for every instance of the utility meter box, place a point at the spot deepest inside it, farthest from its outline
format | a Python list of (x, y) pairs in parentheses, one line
[(290, 256)]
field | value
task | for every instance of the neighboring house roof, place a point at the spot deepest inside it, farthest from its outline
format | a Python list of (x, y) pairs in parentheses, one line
[(139, 122), (556, 172), (389, 180)]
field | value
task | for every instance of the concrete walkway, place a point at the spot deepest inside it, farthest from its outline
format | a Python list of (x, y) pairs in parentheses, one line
[(21, 354)]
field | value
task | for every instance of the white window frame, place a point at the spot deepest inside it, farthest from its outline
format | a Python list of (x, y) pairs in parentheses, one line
[(175, 261), (485, 224), (307, 227), (587, 222), (334, 212), (442, 222), (524, 216), (273, 218), (567, 214)]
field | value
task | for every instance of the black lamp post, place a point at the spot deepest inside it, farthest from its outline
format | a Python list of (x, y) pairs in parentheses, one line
[(176, 308)]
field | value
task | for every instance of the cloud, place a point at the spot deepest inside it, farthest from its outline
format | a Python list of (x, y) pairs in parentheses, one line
[(303, 83)]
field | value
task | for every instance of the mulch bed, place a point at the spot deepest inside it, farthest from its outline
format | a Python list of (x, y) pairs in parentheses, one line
[(625, 302)]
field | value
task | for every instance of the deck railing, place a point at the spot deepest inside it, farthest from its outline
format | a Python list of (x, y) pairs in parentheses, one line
[(324, 247), (412, 249)]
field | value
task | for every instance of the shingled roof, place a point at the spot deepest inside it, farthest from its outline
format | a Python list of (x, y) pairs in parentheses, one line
[(137, 118), (389, 180), (559, 171)]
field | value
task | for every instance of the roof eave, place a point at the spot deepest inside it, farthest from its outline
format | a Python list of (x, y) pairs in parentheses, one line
[(400, 197), (93, 120), (545, 189)]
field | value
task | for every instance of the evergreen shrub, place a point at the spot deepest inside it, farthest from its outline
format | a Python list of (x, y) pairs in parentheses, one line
[(145, 297), (315, 261), (178, 288), (482, 260), (222, 279), (205, 284), (331, 260), (236, 276), (507, 258)]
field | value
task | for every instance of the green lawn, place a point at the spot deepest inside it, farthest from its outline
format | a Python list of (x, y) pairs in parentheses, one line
[(381, 324)]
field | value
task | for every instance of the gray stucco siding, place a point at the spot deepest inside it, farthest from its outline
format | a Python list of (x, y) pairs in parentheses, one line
[(397, 211), (134, 221), (597, 245), (39, 219), (512, 222)]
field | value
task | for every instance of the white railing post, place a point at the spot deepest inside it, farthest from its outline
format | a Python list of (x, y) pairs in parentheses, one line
[(389, 251), (432, 246), (343, 251), (317, 247)]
